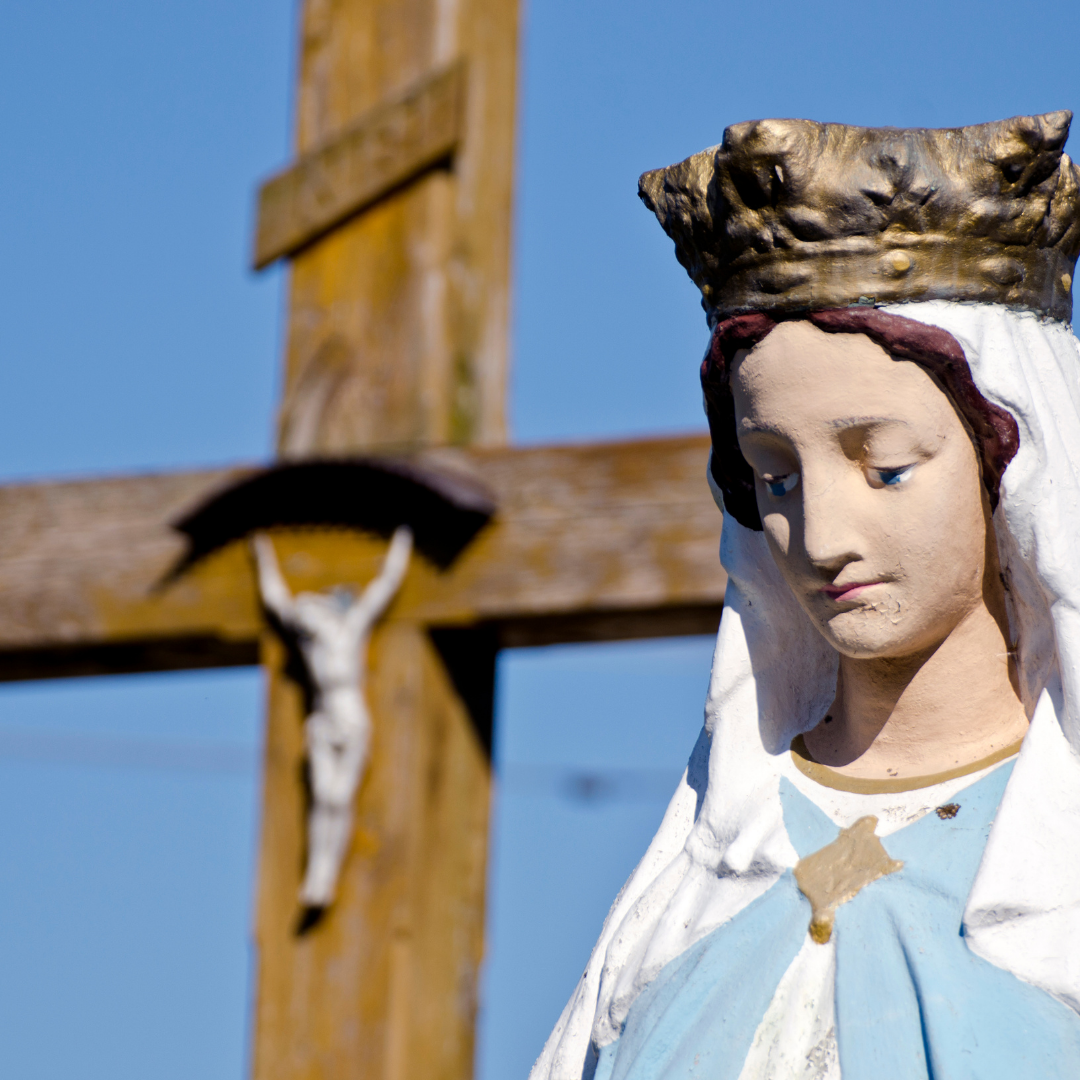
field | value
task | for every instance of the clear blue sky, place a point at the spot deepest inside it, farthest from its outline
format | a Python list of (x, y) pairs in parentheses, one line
[(132, 337)]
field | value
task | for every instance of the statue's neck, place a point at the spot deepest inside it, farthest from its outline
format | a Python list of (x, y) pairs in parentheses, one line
[(947, 706)]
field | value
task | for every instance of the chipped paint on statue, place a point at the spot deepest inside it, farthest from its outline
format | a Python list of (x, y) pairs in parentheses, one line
[(872, 865), (331, 631)]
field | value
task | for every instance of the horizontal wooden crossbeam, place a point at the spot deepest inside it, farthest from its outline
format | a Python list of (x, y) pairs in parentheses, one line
[(587, 542), (385, 149)]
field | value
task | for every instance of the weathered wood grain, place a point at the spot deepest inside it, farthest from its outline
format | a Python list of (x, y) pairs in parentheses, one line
[(389, 146), (79, 562), (608, 540), (397, 333)]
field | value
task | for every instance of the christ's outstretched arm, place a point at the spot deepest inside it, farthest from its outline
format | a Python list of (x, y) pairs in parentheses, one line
[(272, 585), (382, 589)]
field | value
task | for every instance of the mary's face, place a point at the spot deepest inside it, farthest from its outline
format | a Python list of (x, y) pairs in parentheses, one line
[(868, 487)]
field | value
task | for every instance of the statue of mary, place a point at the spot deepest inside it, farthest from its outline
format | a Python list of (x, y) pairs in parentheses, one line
[(871, 868)]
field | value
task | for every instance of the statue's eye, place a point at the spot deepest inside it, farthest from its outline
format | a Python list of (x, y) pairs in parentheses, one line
[(780, 485), (891, 477)]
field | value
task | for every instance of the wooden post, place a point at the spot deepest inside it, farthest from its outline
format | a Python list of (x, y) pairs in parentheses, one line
[(397, 333), (385, 985), (397, 341)]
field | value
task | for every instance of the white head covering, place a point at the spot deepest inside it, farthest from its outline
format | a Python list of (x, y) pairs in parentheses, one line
[(722, 842)]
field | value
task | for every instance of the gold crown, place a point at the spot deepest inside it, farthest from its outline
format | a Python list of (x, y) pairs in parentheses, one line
[(790, 215)]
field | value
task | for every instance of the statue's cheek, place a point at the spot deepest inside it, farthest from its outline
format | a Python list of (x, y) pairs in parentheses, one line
[(778, 534)]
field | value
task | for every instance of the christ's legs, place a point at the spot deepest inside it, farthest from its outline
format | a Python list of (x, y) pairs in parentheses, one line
[(337, 745), (329, 829), (337, 742)]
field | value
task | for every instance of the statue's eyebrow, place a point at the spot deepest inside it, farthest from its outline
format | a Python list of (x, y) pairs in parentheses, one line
[(865, 422), (748, 427)]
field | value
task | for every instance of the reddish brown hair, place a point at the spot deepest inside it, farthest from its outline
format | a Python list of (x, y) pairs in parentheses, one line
[(992, 429)]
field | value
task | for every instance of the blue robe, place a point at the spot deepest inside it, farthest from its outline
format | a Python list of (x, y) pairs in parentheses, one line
[(912, 1001)]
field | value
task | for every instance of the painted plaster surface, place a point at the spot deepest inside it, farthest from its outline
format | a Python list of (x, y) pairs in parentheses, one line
[(910, 998), (839, 871), (870, 494), (722, 859)]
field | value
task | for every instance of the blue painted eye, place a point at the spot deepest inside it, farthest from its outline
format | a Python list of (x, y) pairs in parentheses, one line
[(892, 477), (781, 485)]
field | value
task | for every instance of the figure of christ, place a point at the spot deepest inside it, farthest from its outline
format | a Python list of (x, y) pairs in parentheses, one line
[(871, 869), (331, 631)]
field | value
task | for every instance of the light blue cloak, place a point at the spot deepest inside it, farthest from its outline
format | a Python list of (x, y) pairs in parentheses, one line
[(913, 1002)]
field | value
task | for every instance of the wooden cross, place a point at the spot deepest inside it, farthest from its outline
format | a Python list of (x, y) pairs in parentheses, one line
[(396, 217)]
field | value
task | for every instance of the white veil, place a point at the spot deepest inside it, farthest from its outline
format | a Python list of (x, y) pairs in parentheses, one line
[(722, 842)]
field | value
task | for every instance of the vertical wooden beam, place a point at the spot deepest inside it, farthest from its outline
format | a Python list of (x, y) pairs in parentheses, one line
[(397, 339), (398, 318), (385, 986)]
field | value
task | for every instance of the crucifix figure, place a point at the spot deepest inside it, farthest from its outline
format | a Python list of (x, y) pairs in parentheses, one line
[(331, 631)]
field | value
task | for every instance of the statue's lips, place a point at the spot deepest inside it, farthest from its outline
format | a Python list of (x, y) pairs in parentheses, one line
[(851, 591)]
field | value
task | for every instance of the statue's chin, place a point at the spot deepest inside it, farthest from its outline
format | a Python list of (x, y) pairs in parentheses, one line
[(875, 632)]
